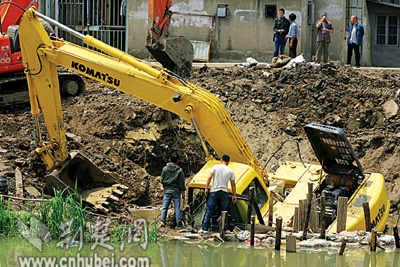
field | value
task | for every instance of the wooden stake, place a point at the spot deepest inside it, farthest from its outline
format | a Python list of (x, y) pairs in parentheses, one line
[(314, 218), (278, 234), (367, 216), (296, 219), (341, 214), (322, 217), (290, 243), (258, 213), (271, 209), (342, 248), (396, 236), (18, 183), (302, 213), (373, 240), (307, 219), (252, 231), (223, 225), (250, 204)]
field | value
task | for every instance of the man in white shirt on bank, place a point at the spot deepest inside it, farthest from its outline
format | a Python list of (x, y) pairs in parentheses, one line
[(218, 195)]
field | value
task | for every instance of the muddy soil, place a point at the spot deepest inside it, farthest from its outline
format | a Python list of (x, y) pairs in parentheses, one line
[(133, 138), (270, 106)]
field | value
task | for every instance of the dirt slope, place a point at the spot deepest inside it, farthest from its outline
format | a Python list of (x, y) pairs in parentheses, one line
[(123, 134)]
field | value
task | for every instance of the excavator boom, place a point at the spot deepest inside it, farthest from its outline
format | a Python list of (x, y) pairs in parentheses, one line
[(125, 73)]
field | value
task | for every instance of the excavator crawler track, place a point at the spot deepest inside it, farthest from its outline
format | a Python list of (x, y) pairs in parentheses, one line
[(14, 87)]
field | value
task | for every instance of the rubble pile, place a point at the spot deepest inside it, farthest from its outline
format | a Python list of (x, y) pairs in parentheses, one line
[(273, 105), (133, 138)]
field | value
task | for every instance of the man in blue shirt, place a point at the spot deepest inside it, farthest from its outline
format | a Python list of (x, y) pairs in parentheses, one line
[(292, 35), (356, 33)]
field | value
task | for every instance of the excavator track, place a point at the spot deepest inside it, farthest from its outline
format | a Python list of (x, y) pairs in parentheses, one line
[(14, 87)]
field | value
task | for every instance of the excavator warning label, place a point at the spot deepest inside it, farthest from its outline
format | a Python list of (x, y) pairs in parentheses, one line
[(96, 74)]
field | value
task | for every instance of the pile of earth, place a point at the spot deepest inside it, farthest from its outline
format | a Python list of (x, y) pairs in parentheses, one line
[(270, 106), (118, 132), (133, 138)]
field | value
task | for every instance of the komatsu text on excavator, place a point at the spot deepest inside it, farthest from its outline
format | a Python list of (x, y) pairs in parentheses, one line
[(340, 172)]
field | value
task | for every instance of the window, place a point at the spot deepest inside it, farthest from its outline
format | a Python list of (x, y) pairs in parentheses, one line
[(353, 8), (260, 196), (387, 30)]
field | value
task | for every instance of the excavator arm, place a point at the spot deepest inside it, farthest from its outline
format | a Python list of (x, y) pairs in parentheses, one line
[(127, 74), (174, 53)]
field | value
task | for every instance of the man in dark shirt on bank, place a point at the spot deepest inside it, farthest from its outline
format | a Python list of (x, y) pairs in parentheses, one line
[(281, 29), (173, 181)]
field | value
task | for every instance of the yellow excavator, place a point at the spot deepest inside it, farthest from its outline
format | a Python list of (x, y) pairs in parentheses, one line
[(340, 172)]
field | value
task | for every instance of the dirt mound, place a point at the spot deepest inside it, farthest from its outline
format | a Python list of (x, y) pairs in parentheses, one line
[(118, 132), (133, 138), (270, 106)]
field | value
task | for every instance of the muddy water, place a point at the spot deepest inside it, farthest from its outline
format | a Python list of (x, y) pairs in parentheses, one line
[(180, 253)]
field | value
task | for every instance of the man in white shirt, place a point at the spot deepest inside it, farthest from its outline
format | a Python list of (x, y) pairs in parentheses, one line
[(219, 190)]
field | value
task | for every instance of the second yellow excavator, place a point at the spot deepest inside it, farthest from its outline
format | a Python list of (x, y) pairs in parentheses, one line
[(340, 172)]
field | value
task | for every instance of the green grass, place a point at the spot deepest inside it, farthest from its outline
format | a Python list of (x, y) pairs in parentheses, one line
[(55, 210), (153, 232), (51, 212)]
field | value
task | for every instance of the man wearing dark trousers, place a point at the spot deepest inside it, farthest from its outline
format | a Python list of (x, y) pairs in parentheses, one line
[(173, 181), (292, 35), (218, 195), (356, 33), (325, 28), (281, 29)]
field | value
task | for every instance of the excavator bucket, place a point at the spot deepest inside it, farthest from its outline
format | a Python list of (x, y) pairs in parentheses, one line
[(96, 187), (174, 53)]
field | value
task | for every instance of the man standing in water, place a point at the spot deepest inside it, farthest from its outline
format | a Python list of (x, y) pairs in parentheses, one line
[(173, 181), (218, 195)]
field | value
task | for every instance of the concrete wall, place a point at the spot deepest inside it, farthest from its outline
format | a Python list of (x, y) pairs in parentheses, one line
[(246, 32), (387, 56)]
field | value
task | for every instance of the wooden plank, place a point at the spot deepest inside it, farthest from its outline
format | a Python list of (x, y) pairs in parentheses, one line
[(223, 224), (271, 209), (322, 218), (296, 219), (341, 214), (367, 216), (373, 239), (19, 186), (314, 217), (250, 204), (342, 247), (307, 219), (258, 213), (290, 243), (252, 230), (396, 236), (302, 213), (278, 234)]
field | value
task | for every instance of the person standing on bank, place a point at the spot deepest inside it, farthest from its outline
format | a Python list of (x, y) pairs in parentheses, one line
[(173, 181), (281, 29), (219, 190), (325, 28), (356, 33), (292, 35)]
